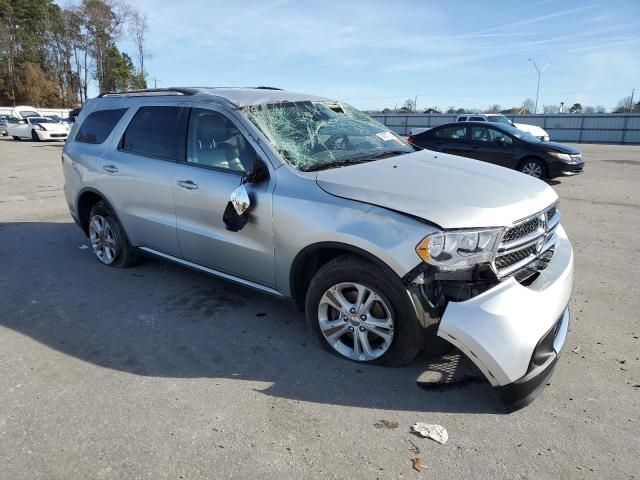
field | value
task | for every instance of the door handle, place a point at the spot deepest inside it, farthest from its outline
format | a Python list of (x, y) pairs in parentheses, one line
[(110, 168), (188, 184)]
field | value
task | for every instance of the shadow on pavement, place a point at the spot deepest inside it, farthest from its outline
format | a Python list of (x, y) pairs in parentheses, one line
[(162, 320)]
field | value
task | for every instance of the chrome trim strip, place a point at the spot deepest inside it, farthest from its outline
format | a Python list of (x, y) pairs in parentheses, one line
[(530, 217), (527, 239), (505, 272), (216, 273)]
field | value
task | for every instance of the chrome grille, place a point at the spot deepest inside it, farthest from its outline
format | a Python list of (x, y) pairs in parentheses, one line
[(526, 241)]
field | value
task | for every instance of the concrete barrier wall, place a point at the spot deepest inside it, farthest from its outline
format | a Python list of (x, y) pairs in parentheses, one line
[(604, 128)]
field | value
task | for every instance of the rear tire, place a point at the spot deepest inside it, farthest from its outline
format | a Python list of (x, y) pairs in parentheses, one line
[(109, 242), (534, 168), (17, 139), (375, 322)]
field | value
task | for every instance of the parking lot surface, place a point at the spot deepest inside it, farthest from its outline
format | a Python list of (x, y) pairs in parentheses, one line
[(162, 372)]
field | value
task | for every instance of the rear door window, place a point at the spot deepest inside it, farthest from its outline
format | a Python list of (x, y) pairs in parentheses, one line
[(477, 119), (98, 125), (452, 133), (156, 132), (462, 119)]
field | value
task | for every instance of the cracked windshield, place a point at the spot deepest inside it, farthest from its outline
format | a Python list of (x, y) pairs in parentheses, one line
[(317, 135)]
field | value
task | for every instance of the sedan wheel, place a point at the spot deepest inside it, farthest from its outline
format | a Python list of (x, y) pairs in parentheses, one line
[(532, 168), (34, 136), (356, 321), (103, 241)]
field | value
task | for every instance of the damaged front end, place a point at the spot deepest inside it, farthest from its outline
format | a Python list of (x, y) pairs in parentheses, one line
[(510, 322)]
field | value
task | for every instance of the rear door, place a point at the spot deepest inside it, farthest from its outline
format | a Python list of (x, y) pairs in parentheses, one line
[(449, 139), (137, 174), (219, 153), (492, 145)]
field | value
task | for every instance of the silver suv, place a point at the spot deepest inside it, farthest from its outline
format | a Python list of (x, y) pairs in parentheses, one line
[(388, 250)]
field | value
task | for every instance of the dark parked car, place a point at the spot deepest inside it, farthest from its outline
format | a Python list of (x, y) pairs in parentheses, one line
[(503, 145)]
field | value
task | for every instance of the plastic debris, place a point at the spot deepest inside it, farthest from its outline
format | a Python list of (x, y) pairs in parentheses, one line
[(416, 463), (434, 432), (84, 246)]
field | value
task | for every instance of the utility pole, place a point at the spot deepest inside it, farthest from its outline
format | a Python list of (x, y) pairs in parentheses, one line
[(631, 101), (415, 104), (540, 71)]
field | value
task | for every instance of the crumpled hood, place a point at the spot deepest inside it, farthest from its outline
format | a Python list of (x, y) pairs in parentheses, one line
[(450, 191), (534, 130)]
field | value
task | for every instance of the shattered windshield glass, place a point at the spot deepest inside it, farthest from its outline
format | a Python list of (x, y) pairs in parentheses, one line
[(316, 135)]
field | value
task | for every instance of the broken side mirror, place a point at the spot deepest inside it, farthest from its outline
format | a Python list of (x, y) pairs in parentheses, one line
[(235, 216)]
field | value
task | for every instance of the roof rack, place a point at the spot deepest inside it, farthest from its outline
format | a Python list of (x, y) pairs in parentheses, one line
[(268, 88), (150, 92)]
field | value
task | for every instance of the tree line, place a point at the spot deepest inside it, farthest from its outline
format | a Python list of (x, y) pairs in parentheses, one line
[(625, 105), (50, 55)]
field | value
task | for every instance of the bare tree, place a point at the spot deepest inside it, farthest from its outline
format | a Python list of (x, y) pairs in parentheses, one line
[(528, 106), (495, 108), (138, 29), (551, 109)]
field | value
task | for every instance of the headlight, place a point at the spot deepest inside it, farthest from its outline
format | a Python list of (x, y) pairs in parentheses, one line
[(458, 249), (565, 157), (40, 127)]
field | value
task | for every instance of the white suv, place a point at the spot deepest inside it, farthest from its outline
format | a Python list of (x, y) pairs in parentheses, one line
[(499, 118)]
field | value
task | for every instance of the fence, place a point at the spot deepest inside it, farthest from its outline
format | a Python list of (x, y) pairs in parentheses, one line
[(61, 112), (601, 128)]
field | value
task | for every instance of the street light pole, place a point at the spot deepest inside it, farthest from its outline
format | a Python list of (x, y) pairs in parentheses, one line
[(540, 71)]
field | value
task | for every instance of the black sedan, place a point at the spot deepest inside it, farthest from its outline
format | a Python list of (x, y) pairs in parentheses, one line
[(502, 145)]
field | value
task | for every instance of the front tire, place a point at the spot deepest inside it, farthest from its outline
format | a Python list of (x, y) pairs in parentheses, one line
[(359, 312), (109, 242), (34, 136), (534, 168), (17, 139)]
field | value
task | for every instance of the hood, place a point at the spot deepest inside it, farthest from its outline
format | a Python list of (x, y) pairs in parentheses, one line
[(560, 147), (54, 126), (534, 130), (450, 191)]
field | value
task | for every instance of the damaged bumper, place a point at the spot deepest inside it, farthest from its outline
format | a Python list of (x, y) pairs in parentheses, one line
[(514, 333)]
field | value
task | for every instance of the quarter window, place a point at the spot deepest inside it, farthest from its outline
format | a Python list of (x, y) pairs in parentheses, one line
[(215, 142), (155, 132), (98, 125), (477, 119)]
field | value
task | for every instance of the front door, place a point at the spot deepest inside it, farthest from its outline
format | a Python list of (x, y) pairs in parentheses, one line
[(218, 155), (492, 145)]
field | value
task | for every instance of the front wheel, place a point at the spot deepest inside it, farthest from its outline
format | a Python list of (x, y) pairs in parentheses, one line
[(359, 312), (534, 168), (34, 136)]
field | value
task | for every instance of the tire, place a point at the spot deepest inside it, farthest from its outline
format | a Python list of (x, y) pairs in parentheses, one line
[(534, 168), (389, 312), (34, 136), (109, 242), (17, 139)]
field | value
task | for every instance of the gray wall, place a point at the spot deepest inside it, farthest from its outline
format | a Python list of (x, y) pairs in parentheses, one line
[(603, 128)]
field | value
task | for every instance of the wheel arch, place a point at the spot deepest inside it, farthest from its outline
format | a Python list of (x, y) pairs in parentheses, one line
[(309, 260), (87, 198)]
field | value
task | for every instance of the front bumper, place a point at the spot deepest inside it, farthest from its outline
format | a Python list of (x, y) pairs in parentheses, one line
[(561, 169), (514, 333), (46, 135)]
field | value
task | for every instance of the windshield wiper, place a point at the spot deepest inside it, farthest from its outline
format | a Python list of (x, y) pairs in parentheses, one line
[(336, 163)]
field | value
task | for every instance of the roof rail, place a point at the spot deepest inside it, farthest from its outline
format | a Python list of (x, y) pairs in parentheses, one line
[(268, 88), (150, 92)]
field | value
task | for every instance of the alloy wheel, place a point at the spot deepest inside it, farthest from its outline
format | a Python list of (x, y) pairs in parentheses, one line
[(103, 240), (356, 321), (532, 169)]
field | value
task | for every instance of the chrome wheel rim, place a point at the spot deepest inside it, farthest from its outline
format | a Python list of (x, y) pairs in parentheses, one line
[(356, 321), (103, 240), (532, 169)]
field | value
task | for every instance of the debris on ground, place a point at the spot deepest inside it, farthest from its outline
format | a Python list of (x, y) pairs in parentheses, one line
[(434, 432), (414, 448), (385, 424), (576, 350), (84, 246), (416, 463)]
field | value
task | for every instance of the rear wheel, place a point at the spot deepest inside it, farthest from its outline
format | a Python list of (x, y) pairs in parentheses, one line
[(359, 312), (34, 136), (109, 242), (534, 168)]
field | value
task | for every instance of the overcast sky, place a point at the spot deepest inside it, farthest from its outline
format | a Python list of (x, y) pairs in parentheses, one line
[(374, 54)]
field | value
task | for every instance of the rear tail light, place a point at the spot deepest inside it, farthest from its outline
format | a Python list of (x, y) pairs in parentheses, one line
[(411, 139)]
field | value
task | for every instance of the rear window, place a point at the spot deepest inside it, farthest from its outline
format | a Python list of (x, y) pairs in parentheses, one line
[(155, 132), (98, 125), (462, 119)]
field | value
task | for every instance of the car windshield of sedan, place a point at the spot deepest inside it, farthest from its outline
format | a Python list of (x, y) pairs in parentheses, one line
[(500, 119), (318, 135), (520, 134)]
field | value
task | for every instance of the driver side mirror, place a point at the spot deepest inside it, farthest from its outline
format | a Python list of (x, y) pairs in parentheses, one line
[(500, 141)]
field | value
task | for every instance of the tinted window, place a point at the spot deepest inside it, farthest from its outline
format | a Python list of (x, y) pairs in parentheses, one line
[(484, 134), (155, 131), (462, 119), (476, 119), (28, 113), (455, 133), (214, 141), (98, 125)]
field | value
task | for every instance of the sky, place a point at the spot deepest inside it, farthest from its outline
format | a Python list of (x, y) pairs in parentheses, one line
[(375, 54)]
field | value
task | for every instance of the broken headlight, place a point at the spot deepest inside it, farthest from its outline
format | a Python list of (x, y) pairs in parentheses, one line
[(458, 249)]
